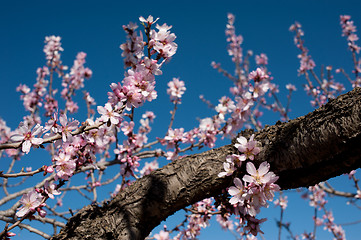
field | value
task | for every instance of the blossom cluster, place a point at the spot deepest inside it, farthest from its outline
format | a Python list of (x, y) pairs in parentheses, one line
[(325, 88), (34, 200), (235, 41), (176, 90), (27, 137), (250, 87), (74, 81), (32, 99), (316, 196), (138, 84), (282, 201), (162, 41), (43, 93), (349, 31), (197, 221), (306, 61), (52, 50), (201, 213), (248, 90), (134, 141), (256, 187)]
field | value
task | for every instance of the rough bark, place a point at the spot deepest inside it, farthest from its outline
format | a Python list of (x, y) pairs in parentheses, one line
[(304, 151)]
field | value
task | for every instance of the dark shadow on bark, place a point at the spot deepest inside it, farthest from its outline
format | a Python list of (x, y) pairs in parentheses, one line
[(156, 195)]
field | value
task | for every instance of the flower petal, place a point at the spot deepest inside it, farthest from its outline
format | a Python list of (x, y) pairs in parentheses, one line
[(251, 169), (238, 183), (26, 146), (17, 138), (248, 178), (234, 200), (263, 168), (233, 191)]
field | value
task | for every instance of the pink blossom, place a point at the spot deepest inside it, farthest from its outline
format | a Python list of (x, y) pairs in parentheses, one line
[(23, 89), (133, 47), (5, 131), (291, 87), (150, 115), (238, 193), (145, 127), (171, 155), (331, 226), (243, 106), (162, 235), (173, 136), (262, 59), (349, 30), (50, 105), (152, 66), (132, 162), (236, 159), (317, 198), (50, 189), (127, 128), (225, 106), (248, 148), (207, 124), (281, 201), (75, 79), (207, 137), (149, 20), (176, 89), (30, 201), (138, 88), (269, 190), (225, 222), (259, 176), (318, 221), (67, 127), (190, 136), (234, 47), (72, 106), (258, 76), (251, 237), (253, 225), (89, 100), (149, 167), (52, 50), (109, 114), (259, 89), (28, 137), (306, 61), (228, 169), (163, 41), (65, 167), (8, 235)]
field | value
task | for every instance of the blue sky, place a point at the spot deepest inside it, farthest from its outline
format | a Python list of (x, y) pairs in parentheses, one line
[(96, 28)]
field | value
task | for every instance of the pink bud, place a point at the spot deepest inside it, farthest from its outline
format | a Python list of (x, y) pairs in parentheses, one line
[(41, 212), (49, 169)]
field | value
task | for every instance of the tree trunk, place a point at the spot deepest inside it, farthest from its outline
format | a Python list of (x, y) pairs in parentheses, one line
[(302, 152)]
